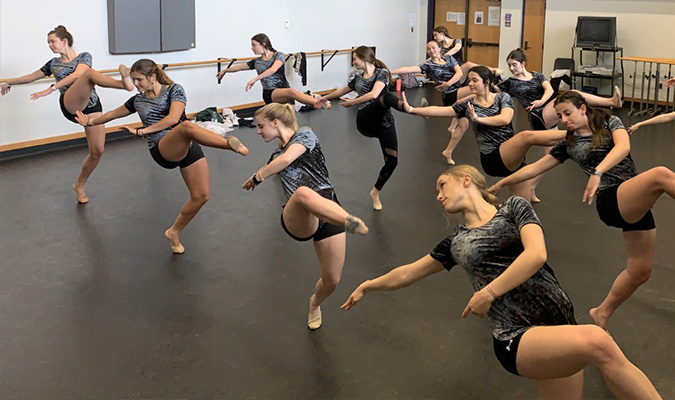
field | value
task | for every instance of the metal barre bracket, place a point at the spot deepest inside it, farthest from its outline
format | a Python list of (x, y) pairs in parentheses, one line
[(323, 64), (228, 66)]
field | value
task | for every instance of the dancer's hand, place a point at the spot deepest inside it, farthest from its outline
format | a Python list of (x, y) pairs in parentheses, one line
[(320, 102), (633, 128), (479, 304), (347, 103), (405, 104), (249, 184), (472, 112), (6, 87), (356, 296), (591, 188), (670, 82), (495, 189), (81, 118), (42, 93), (133, 131), (535, 104), (442, 86), (220, 74), (250, 84)]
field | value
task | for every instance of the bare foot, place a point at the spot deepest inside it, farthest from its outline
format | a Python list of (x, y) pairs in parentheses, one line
[(618, 102), (448, 157), (534, 198), (126, 77), (314, 318), (375, 197), (599, 320), (79, 193), (176, 247), (236, 145), (355, 225)]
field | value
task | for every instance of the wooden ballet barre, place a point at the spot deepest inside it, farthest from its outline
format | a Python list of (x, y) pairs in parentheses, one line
[(669, 61), (207, 62), (645, 104)]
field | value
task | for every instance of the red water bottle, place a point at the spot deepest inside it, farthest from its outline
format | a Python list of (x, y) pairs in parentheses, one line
[(398, 84)]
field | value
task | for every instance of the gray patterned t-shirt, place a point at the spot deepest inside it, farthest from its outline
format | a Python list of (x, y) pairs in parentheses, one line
[(485, 252), (307, 170), (276, 80), (526, 91), (588, 157), (440, 73), (155, 109), (365, 85), (489, 138), (62, 69)]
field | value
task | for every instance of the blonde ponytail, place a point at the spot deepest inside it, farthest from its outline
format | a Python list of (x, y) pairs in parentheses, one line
[(477, 178), (284, 113)]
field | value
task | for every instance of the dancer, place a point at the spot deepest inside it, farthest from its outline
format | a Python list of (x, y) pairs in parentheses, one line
[(600, 145), (173, 140), (374, 118), (449, 46), (532, 318), (272, 75), (312, 210), (501, 152), (75, 81)]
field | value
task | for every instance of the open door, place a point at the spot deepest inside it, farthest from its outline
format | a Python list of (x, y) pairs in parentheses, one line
[(534, 17)]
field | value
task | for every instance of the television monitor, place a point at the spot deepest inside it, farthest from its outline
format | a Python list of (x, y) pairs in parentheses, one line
[(596, 32)]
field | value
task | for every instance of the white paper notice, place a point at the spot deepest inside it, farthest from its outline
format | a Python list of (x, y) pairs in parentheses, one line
[(494, 14), (461, 18), (451, 16), (478, 18)]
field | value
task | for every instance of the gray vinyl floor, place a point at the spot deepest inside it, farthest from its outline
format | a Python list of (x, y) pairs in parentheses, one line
[(94, 305)]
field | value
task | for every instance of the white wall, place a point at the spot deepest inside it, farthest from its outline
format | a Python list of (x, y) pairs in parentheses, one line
[(223, 30), (645, 28), (510, 37)]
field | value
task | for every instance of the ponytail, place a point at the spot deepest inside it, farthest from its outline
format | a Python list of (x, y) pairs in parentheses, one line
[(368, 55), (62, 33), (284, 113), (147, 68)]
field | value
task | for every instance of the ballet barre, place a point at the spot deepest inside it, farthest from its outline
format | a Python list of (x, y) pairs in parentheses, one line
[(645, 107)]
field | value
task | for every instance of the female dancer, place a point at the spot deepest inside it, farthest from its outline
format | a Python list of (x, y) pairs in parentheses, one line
[(374, 118), (272, 75), (532, 318), (173, 140), (501, 152), (312, 210), (75, 81), (449, 46), (600, 145)]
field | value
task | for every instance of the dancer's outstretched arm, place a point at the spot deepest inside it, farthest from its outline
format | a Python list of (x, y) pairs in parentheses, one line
[(79, 70), (414, 69), (433, 111), (268, 72), (661, 119), (336, 93), (620, 150), (542, 165), (32, 77), (119, 112), (294, 151), (398, 278), (236, 68), (372, 95)]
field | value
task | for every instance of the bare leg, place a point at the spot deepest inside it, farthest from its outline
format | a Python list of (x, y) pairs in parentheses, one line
[(552, 352), (196, 177), (287, 95), (513, 151), (522, 189), (455, 137), (331, 254), (77, 95), (571, 387), (174, 145), (599, 101), (304, 209), (95, 143)]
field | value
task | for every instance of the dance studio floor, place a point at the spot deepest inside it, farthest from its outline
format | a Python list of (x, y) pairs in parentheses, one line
[(94, 305)]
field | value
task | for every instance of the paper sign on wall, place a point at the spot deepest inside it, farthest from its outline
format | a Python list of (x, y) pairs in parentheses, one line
[(461, 18), (451, 16), (507, 20), (478, 18), (494, 14)]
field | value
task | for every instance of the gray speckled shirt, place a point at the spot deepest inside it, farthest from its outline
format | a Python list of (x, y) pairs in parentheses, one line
[(365, 85), (307, 170), (155, 109), (62, 69), (276, 80), (489, 138), (485, 252), (588, 157), (526, 91), (440, 73)]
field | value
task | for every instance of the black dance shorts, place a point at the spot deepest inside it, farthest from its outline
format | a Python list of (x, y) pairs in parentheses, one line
[(193, 155), (507, 352), (608, 210), (324, 230), (449, 98), (267, 95), (493, 164), (89, 110), (537, 121)]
